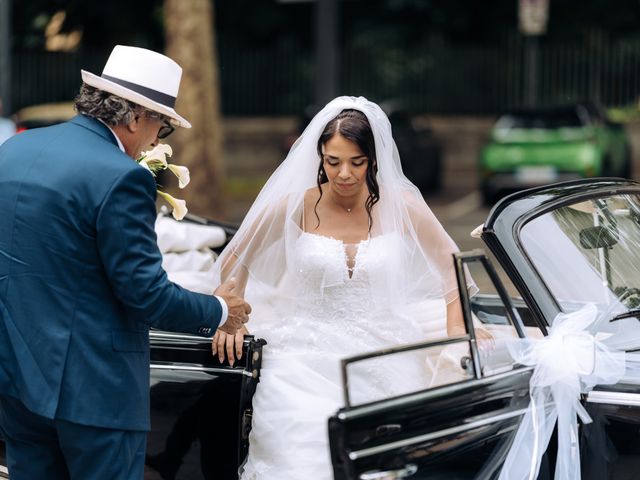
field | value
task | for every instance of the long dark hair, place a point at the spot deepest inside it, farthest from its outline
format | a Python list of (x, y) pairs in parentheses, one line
[(352, 125)]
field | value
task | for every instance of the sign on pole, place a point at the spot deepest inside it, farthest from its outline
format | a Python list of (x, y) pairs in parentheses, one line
[(533, 16)]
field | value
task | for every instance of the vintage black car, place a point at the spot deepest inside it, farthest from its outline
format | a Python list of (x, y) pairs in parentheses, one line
[(560, 247)]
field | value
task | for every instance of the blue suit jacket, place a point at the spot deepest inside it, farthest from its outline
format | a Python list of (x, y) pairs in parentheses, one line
[(81, 279)]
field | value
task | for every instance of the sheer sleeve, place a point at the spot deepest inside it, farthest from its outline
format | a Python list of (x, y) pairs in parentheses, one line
[(436, 244), (257, 250)]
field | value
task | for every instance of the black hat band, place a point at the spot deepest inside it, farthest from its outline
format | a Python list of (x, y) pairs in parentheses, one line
[(155, 95)]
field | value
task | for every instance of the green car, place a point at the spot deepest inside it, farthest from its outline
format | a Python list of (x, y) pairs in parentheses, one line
[(536, 147)]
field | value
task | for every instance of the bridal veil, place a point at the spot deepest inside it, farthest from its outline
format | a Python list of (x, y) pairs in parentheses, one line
[(260, 254)]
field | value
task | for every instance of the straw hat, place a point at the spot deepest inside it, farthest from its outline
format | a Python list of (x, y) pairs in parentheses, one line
[(142, 76)]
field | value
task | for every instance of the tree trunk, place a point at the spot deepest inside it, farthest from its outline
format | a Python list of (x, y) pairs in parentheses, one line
[(190, 41)]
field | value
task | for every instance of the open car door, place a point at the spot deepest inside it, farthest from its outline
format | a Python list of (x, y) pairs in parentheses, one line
[(200, 408), (461, 425)]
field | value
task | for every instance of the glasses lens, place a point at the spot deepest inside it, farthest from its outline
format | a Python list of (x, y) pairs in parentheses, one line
[(166, 130)]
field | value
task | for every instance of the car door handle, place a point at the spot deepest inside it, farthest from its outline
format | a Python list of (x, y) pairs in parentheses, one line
[(405, 472), (388, 429)]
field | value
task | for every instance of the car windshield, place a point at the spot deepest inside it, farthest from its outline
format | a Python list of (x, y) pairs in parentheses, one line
[(589, 252), (549, 119)]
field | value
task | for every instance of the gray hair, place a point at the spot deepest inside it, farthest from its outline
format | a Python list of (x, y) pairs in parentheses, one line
[(111, 109)]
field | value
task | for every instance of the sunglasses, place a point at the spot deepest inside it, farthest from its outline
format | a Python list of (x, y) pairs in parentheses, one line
[(165, 130)]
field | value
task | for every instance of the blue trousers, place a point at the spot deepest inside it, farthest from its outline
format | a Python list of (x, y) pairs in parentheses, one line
[(38, 447)]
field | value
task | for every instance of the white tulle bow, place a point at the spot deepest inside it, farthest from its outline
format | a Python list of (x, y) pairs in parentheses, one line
[(570, 361)]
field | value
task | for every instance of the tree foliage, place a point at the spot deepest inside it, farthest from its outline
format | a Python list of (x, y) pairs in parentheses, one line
[(103, 24), (260, 22)]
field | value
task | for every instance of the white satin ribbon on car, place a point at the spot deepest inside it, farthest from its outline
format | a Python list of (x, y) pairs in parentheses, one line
[(570, 361)]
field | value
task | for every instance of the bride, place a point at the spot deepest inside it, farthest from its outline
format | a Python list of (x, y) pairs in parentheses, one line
[(335, 255)]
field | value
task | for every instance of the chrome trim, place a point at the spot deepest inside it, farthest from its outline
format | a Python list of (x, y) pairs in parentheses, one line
[(614, 398), (199, 368), (367, 452), (408, 471), (428, 394), (176, 336)]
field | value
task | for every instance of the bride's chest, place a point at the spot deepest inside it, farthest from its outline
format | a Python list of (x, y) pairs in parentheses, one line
[(330, 261)]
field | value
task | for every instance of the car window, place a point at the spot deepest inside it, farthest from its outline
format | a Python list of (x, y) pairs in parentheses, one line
[(414, 370), (493, 319), (589, 252), (494, 309), (543, 119)]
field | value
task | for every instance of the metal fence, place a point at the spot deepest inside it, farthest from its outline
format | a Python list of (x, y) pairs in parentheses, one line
[(435, 76), (439, 77), (43, 77)]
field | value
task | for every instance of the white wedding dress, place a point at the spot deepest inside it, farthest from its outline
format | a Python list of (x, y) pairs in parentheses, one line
[(335, 316)]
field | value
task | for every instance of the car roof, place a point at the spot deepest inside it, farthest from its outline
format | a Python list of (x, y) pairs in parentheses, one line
[(557, 109), (547, 112), (547, 117)]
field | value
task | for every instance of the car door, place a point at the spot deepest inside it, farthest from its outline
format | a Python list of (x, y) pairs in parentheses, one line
[(610, 444), (200, 408), (4, 472), (573, 244), (462, 424)]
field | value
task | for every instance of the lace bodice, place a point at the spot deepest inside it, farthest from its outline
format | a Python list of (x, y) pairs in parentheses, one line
[(334, 277), (334, 308)]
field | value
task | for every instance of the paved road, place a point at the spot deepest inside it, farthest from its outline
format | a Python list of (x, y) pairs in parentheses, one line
[(460, 212)]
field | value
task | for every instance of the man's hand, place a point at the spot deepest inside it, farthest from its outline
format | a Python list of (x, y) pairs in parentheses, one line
[(239, 310)]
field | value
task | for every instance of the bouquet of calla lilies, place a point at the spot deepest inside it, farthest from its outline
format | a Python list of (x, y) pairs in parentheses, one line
[(155, 160)]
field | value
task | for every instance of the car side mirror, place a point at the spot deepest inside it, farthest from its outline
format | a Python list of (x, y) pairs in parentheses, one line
[(598, 237)]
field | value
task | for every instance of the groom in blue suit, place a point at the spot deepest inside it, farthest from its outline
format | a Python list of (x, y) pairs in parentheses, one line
[(81, 279)]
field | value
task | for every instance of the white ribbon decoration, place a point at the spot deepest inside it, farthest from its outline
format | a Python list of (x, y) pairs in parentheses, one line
[(567, 362)]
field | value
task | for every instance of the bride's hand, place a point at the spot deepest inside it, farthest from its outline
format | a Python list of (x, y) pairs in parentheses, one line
[(486, 342), (229, 346)]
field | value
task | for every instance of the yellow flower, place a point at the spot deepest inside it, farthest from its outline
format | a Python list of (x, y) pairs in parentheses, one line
[(182, 173), (179, 206)]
